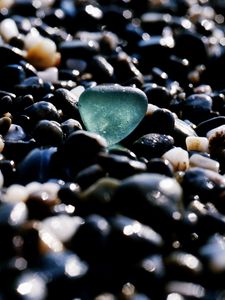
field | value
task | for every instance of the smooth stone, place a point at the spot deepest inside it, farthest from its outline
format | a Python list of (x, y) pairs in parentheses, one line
[(113, 111)]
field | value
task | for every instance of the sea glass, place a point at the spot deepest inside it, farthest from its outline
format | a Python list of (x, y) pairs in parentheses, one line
[(112, 111)]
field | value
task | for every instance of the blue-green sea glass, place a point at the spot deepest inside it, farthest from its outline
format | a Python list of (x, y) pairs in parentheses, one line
[(112, 111)]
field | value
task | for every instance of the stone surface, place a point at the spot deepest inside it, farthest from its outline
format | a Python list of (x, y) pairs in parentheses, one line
[(113, 111)]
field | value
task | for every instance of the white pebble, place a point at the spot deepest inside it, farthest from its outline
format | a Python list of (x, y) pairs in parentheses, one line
[(220, 130), (46, 3), (8, 29), (78, 90), (151, 108), (49, 241), (32, 38), (16, 193), (33, 187), (62, 226), (50, 74), (51, 188), (197, 160), (178, 157), (196, 143)]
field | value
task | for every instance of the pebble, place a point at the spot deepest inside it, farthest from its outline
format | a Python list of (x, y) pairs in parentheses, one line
[(153, 145), (217, 131), (178, 157), (43, 54), (197, 108), (195, 143), (209, 124), (8, 29), (197, 160)]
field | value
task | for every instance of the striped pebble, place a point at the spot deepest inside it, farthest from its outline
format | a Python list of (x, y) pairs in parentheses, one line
[(196, 143)]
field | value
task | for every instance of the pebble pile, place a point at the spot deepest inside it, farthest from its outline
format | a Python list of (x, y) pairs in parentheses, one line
[(112, 149)]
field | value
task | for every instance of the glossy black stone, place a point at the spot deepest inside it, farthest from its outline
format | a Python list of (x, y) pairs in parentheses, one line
[(9, 55), (69, 193), (127, 233), (181, 131), (139, 197), (8, 170), (160, 166), (36, 165), (42, 110), (89, 176), (67, 102), (69, 126), (97, 229), (197, 108), (162, 121), (17, 42), (78, 49), (48, 133), (6, 103), (11, 75), (155, 48), (153, 145), (119, 166), (35, 86), (90, 145), (101, 69), (158, 95), (209, 124), (196, 182), (192, 47)]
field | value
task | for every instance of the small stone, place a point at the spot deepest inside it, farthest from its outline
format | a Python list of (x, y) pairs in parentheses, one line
[(112, 111), (195, 143), (8, 29), (43, 54), (220, 130), (16, 193), (50, 74), (153, 145), (178, 157), (197, 160)]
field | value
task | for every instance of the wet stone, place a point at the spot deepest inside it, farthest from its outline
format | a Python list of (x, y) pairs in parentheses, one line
[(48, 133), (204, 127), (147, 189), (112, 111), (153, 145), (158, 95), (197, 108), (11, 75), (77, 158)]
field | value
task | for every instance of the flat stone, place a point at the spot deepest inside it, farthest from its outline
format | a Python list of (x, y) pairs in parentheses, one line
[(112, 111)]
